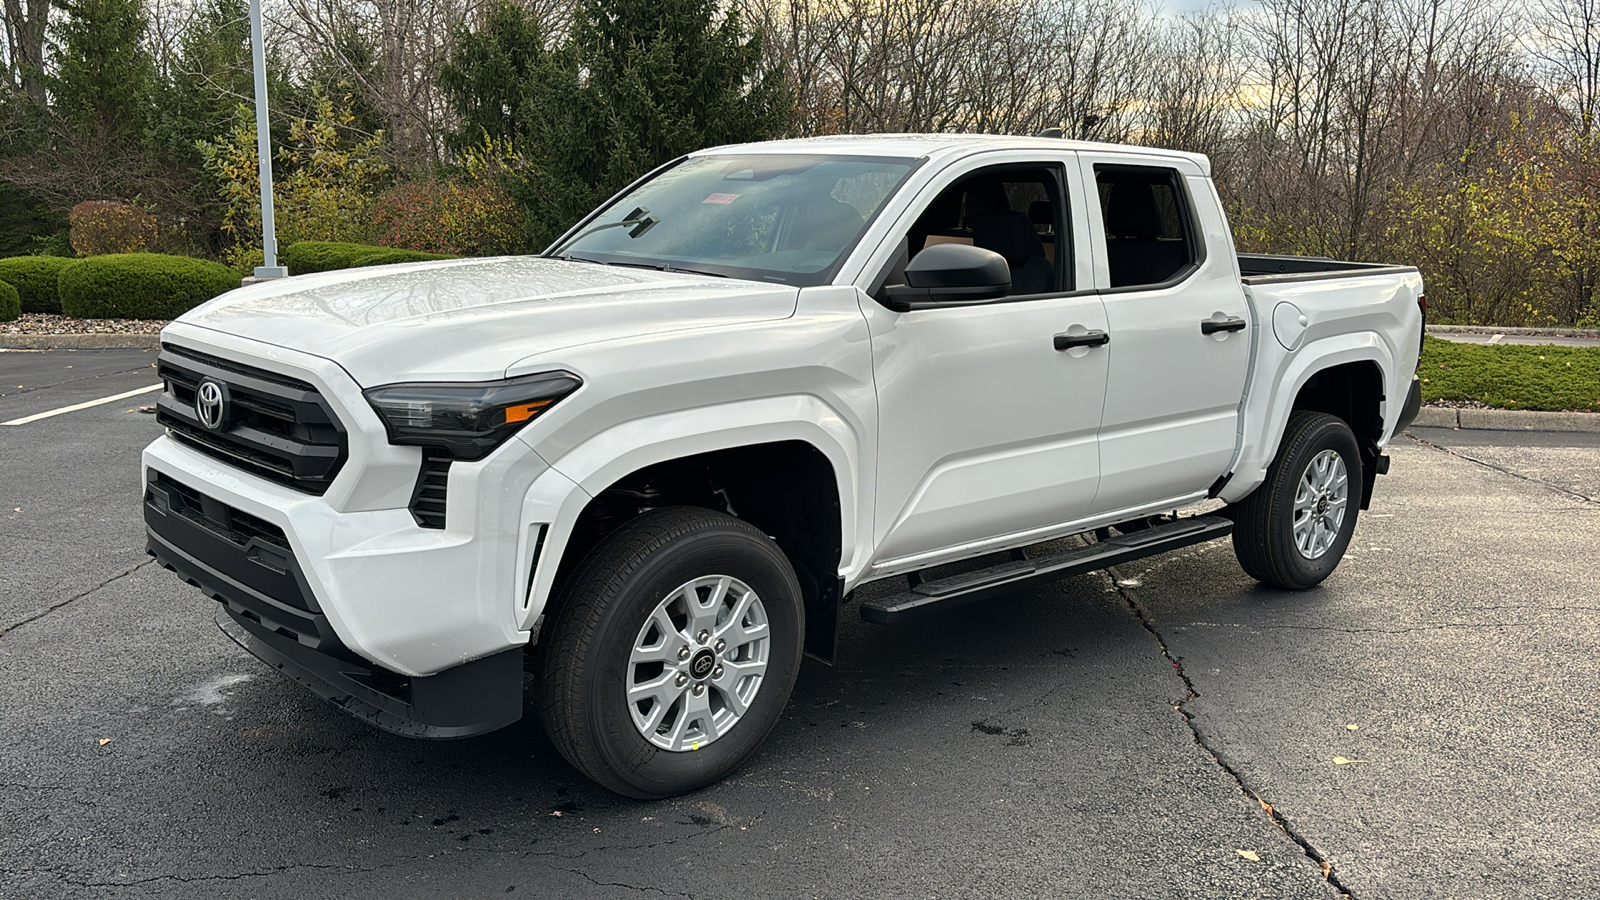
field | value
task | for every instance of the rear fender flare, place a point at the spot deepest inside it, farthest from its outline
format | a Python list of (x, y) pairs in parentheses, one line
[(1261, 444)]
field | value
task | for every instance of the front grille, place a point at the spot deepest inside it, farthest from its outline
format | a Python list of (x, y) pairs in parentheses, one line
[(280, 428), (427, 499)]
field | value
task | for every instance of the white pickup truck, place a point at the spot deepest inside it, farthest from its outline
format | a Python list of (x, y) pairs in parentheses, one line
[(645, 471)]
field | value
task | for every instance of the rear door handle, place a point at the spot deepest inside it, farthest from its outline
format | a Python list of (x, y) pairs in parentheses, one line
[(1094, 338), (1212, 326)]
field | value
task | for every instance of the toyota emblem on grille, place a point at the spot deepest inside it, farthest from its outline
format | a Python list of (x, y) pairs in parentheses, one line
[(211, 404)]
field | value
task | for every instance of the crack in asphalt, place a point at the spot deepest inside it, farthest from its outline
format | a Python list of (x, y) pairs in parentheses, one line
[(622, 884), (200, 879), (1505, 471), (73, 599), (17, 392), (1278, 819), (413, 858), (1435, 627)]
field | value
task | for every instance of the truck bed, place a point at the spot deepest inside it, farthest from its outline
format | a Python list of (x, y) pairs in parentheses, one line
[(1257, 268)]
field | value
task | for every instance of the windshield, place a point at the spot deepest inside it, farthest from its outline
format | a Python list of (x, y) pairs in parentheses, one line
[(789, 219)]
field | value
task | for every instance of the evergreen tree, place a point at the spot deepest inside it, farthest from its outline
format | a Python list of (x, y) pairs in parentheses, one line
[(104, 71), (491, 72), (636, 83)]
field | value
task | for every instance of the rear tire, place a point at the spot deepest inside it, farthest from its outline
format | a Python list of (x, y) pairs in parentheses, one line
[(1292, 530), (671, 652)]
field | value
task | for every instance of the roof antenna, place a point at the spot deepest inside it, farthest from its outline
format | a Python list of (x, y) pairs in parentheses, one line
[(1050, 133)]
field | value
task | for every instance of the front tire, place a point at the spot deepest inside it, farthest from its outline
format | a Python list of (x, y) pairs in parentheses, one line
[(671, 652), (1292, 530)]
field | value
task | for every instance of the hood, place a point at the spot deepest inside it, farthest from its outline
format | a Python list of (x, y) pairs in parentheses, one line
[(470, 319)]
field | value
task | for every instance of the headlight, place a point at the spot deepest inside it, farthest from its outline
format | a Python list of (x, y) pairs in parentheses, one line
[(466, 420)]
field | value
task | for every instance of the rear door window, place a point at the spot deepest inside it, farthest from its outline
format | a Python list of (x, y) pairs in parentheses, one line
[(1150, 235)]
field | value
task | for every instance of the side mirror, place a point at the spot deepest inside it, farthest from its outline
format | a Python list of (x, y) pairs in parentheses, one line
[(950, 274)]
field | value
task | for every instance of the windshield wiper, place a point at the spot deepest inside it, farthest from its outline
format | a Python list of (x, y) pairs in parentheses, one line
[(667, 267), (693, 271), (640, 220)]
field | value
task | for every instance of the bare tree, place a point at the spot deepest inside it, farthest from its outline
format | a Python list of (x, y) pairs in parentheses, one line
[(1565, 41), (26, 22)]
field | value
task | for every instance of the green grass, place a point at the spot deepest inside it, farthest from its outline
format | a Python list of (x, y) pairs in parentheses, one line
[(1512, 377)]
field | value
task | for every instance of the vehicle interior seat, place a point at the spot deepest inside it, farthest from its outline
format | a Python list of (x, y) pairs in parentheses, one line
[(1135, 249), (1043, 214), (996, 226)]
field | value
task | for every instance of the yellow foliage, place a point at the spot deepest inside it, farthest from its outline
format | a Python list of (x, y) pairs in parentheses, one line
[(323, 189)]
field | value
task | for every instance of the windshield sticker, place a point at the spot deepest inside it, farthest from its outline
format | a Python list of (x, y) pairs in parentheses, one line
[(720, 198)]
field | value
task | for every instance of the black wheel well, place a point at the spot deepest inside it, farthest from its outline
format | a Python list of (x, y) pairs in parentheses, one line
[(1352, 392), (786, 489)]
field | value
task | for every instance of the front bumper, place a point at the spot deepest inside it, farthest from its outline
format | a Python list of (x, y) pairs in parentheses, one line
[(245, 564)]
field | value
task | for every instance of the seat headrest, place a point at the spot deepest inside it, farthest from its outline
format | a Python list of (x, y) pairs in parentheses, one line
[(1041, 213), (984, 197), (1131, 211), (825, 224), (1010, 234)]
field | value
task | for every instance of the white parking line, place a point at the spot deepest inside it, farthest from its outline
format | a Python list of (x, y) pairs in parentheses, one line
[(77, 406)]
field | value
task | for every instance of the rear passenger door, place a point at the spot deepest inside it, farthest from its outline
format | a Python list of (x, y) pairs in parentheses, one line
[(1179, 327)]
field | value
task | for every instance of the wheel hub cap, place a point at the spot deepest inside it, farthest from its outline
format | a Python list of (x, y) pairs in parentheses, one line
[(697, 663), (1320, 502), (702, 664)]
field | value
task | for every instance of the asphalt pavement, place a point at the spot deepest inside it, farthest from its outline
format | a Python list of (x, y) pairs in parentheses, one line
[(1167, 729)]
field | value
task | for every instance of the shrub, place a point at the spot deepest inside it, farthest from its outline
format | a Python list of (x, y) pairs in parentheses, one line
[(446, 217), (105, 226), (306, 257), (10, 304), (141, 286), (36, 279)]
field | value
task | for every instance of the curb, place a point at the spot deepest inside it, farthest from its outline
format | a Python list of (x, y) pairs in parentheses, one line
[(1498, 329), (79, 341), (1507, 420)]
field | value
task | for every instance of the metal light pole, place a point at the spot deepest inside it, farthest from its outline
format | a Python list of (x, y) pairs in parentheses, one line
[(269, 228)]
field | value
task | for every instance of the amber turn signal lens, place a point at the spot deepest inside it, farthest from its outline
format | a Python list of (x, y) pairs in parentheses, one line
[(525, 411)]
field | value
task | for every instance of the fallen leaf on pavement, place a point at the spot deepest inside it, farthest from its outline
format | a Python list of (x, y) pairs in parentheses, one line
[(1249, 854), (1341, 761), (105, 741)]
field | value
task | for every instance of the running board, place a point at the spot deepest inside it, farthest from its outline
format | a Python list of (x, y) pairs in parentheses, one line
[(985, 583)]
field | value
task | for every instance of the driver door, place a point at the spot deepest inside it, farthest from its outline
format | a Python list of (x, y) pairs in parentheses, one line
[(989, 433)]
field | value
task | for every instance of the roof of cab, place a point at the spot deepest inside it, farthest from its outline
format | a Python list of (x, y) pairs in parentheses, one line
[(919, 146)]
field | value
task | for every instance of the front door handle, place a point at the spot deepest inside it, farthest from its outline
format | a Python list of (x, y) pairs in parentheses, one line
[(1212, 326), (1094, 338)]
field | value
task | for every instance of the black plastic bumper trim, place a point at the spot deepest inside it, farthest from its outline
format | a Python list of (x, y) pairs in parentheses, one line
[(259, 597), (1413, 405), (471, 699), (257, 579)]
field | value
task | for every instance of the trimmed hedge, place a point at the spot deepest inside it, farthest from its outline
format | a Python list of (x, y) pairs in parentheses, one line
[(141, 286), (10, 304), (305, 257), (37, 280)]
